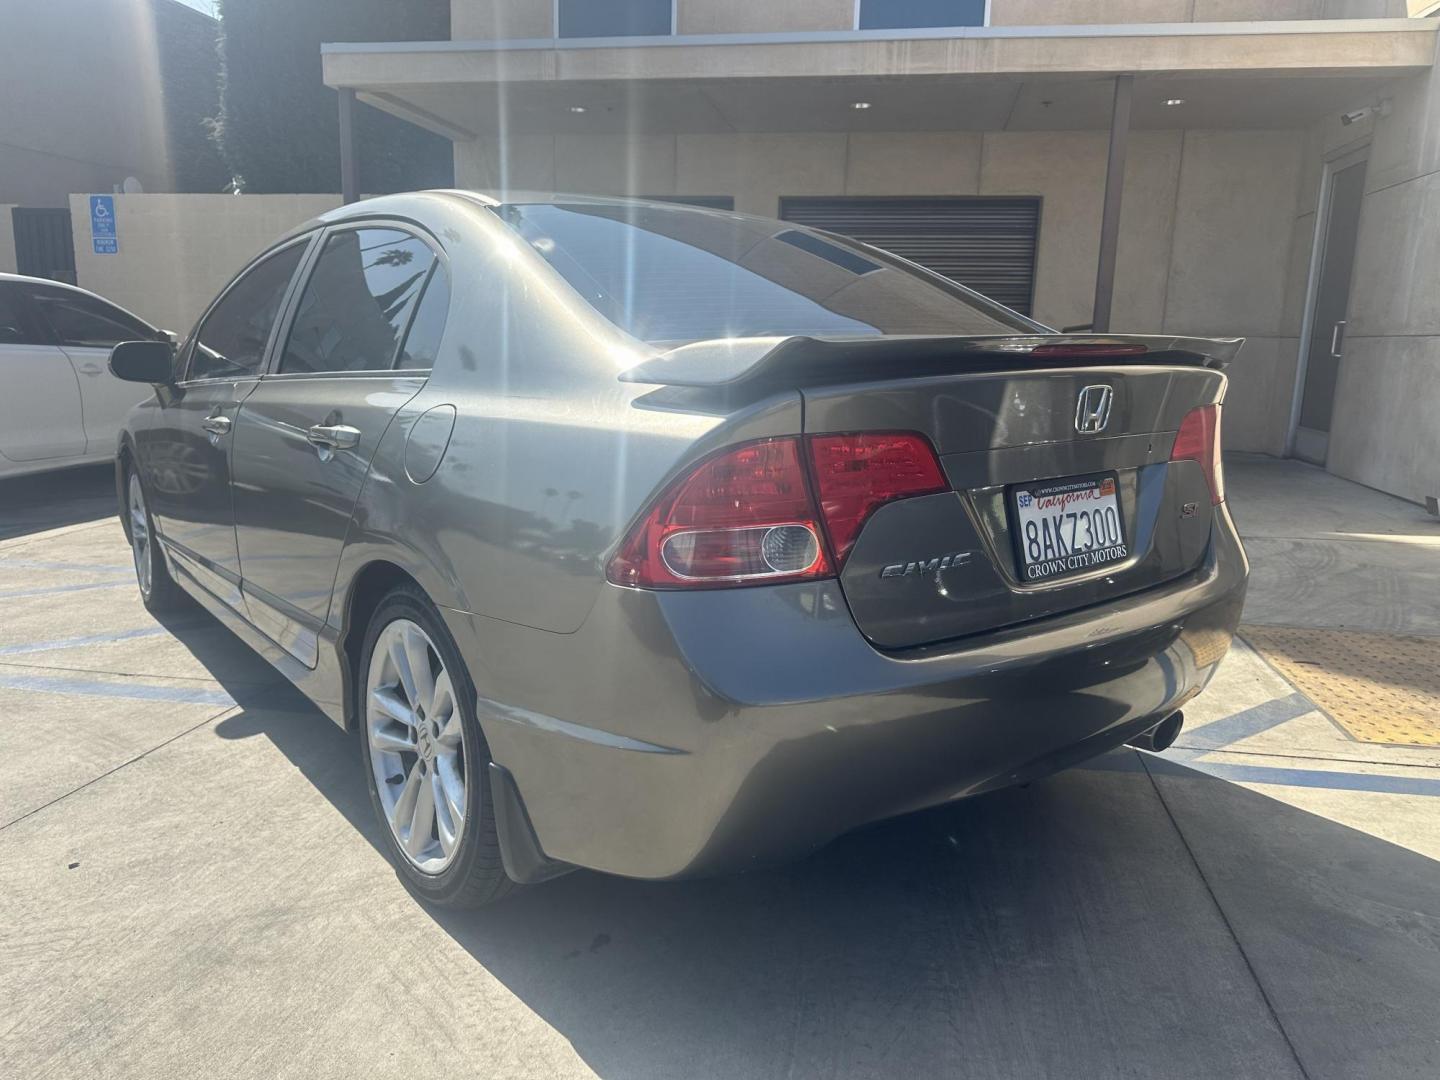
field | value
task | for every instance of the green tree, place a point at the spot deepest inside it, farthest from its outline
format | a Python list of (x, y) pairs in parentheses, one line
[(278, 127), (186, 43)]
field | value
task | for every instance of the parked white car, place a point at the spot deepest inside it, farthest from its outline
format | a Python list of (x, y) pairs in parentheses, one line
[(59, 404)]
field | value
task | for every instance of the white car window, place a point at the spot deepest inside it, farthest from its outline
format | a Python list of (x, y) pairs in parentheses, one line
[(15, 327), (87, 322)]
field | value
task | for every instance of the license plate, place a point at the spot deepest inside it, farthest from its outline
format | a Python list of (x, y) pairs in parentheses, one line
[(1067, 526)]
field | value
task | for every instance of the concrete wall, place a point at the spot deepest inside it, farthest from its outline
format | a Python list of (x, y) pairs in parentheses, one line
[(178, 251), (1386, 428), (501, 20), (83, 106), (762, 17), (1208, 223), (472, 20), (7, 239)]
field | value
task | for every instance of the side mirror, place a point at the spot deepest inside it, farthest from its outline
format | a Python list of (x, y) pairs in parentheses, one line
[(143, 361)]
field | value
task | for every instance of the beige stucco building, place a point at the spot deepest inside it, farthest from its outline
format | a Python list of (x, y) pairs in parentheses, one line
[(1237, 162), (100, 96)]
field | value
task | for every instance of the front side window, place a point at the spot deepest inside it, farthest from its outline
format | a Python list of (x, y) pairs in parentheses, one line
[(230, 343), (615, 18), (358, 302), (86, 322), (15, 328), (670, 275), (906, 14)]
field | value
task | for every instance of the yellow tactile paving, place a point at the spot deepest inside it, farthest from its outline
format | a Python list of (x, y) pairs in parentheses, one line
[(1381, 688)]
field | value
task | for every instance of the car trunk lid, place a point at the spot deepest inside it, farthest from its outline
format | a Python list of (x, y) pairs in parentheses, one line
[(1014, 420), (984, 555)]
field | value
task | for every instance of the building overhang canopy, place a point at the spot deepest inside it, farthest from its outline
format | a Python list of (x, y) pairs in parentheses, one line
[(1188, 75)]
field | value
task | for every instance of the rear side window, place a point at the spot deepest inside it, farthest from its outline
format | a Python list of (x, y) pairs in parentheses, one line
[(230, 343), (86, 322), (358, 302), (15, 328), (428, 326)]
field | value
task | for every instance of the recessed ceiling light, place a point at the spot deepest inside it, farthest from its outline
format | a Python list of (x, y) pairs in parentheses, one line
[(577, 108), (1175, 101), (859, 105)]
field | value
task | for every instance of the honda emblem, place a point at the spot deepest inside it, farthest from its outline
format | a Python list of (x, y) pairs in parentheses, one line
[(1092, 411)]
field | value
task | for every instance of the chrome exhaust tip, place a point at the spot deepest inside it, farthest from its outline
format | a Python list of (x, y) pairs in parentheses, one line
[(1161, 736)]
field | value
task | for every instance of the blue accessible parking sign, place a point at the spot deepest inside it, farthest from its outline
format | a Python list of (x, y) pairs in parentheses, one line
[(102, 225)]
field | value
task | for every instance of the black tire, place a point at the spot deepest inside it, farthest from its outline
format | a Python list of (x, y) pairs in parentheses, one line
[(476, 875), (161, 596)]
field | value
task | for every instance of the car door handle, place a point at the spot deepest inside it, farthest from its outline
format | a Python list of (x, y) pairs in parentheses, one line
[(334, 436), (216, 425), (1337, 337)]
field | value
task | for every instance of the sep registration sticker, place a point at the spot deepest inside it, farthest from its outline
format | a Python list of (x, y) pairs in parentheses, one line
[(1067, 526)]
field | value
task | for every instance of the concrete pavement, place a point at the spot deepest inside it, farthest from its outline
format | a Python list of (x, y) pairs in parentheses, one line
[(190, 883)]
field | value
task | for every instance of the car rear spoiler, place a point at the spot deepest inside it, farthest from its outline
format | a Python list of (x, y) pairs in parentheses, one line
[(805, 360)]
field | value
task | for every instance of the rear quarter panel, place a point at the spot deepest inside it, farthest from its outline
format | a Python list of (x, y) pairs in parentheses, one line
[(550, 456)]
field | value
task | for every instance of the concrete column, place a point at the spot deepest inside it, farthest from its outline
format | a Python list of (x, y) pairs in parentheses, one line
[(349, 178), (1114, 189)]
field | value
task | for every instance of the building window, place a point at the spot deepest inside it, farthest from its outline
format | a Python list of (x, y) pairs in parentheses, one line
[(614, 18), (905, 14)]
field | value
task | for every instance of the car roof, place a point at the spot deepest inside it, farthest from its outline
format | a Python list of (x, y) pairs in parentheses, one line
[(25, 279), (407, 203), (506, 197)]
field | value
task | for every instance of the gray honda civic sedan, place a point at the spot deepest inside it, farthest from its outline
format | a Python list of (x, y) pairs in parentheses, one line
[(668, 541)]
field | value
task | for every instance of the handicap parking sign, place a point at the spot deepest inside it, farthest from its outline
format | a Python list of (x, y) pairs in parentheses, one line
[(102, 225)]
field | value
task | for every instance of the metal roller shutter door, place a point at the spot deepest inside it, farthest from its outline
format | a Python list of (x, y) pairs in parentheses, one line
[(44, 246), (985, 243)]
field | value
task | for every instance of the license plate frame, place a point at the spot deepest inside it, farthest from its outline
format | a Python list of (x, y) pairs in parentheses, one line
[(1091, 492)]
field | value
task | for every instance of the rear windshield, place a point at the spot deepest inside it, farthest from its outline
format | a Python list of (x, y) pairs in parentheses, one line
[(673, 274)]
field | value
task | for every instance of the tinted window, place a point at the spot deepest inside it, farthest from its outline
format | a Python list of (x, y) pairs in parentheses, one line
[(85, 322), (230, 344), (614, 18), (423, 340), (670, 274), (898, 14), (357, 302), (15, 329)]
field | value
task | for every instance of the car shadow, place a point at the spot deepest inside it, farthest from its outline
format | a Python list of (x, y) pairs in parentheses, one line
[(1063, 929), (31, 504)]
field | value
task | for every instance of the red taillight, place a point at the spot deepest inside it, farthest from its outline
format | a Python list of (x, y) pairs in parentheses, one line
[(856, 474), (746, 516), (1199, 440), (742, 517)]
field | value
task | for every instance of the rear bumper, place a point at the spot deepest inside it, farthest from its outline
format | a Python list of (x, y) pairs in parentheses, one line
[(679, 734)]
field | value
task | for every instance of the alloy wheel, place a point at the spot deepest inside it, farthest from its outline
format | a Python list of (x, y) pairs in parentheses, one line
[(417, 752), (139, 534)]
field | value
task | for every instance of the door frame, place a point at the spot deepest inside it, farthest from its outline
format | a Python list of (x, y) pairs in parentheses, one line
[(1352, 153)]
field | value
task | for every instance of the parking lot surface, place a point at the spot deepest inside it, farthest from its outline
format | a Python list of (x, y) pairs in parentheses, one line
[(191, 884)]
